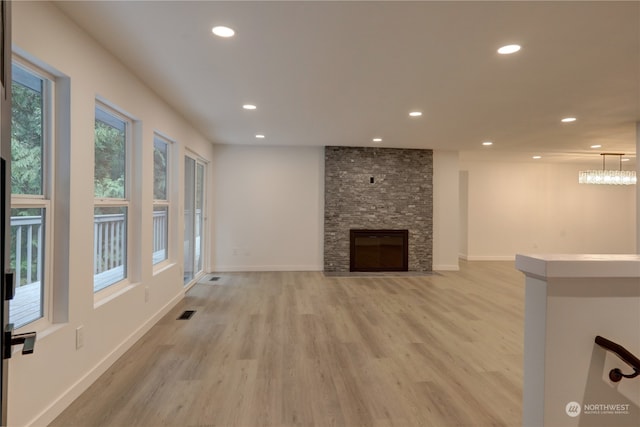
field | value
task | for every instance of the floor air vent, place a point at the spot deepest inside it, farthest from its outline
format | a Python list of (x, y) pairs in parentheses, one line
[(186, 315), (214, 279)]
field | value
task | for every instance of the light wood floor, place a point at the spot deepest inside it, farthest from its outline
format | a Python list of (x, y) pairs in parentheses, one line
[(302, 349)]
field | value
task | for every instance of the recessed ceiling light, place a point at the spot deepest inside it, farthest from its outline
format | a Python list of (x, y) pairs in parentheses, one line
[(487, 143), (249, 107), (508, 49), (415, 113), (596, 146), (221, 31), (377, 139), (568, 120), (260, 136), (536, 157)]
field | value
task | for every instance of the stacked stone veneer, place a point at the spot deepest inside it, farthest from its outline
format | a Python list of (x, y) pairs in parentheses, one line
[(401, 197)]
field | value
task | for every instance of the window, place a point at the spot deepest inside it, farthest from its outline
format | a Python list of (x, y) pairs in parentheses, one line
[(111, 191), (160, 199), (31, 145)]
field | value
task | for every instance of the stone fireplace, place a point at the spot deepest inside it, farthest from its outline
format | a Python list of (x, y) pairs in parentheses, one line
[(380, 189)]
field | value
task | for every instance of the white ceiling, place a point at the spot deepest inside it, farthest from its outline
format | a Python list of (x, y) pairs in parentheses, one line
[(341, 73)]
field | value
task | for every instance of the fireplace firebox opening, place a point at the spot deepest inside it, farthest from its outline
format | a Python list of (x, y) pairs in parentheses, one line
[(379, 250)]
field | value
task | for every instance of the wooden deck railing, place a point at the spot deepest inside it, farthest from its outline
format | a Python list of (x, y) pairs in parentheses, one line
[(108, 253), (28, 238), (108, 245)]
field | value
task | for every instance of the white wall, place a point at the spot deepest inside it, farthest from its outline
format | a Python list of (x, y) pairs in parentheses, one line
[(638, 188), (42, 384), (539, 207), (463, 232), (446, 209), (269, 208)]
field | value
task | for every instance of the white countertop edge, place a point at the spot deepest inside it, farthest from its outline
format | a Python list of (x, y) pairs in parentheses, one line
[(579, 265)]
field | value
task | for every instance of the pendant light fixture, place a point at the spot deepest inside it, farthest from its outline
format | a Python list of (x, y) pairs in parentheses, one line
[(608, 177)]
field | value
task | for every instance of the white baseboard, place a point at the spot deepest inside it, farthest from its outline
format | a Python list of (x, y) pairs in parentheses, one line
[(65, 399), (490, 258), (446, 267), (243, 268)]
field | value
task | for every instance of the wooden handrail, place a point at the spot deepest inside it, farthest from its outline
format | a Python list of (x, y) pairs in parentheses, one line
[(616, 374)]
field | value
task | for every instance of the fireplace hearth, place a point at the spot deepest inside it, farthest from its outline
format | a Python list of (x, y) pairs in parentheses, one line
[(379, 250)]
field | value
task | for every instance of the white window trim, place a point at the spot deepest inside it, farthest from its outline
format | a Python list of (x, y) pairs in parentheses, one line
[(116, 288), (168, 203), (47, 259), (46, 199)]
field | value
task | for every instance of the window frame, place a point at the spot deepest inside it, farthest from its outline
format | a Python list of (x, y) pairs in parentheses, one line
[(113, 202), (45, 200), (165, 203)]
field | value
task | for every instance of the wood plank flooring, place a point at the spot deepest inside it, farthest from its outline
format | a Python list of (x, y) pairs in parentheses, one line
[(302, 349)]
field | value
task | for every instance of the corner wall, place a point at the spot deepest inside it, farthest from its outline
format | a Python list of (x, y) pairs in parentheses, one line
[(268, 208), (41, 385), (447, 213), (534, 207), (638, 188)]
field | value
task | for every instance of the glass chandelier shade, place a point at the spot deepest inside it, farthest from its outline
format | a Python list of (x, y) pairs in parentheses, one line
[(608, 177)]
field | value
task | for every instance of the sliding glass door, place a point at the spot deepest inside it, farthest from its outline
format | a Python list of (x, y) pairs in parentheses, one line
[(194, 214)]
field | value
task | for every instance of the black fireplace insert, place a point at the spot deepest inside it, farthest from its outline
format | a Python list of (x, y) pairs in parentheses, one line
[(379, 250)]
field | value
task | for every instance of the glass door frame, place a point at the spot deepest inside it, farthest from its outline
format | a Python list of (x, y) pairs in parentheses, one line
[(195, 218), (5, 196)]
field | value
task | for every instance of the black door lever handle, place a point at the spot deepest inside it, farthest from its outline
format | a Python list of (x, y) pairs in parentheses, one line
[(28, 341)]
